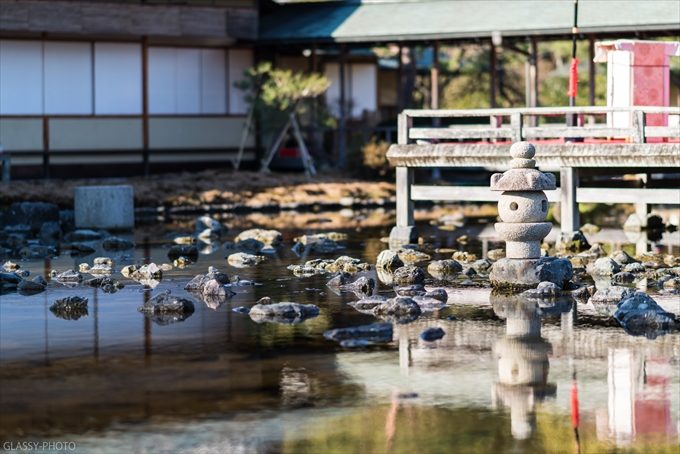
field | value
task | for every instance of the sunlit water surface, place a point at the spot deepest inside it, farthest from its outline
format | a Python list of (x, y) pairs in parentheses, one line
[(499, 381)]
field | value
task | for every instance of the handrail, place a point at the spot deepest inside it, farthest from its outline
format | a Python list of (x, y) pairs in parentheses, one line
[(424, 113)]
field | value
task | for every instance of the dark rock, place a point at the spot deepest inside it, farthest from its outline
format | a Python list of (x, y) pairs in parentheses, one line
[(604, 266), (363, 285), (50, 232), (543, 290), (611, 295), (207, 227), (442, 269), (399, 306), (283, 312), (623, 278), (241, 310), (68, 276), (176, 308), (634, 267), (106, 283), (411, 290), (366, 305), (640, 315), (432, 334), (622, 258), (33, 287), (573, 242), (428, 304), (37, 251), (388, 260), (9, 282), (409, 275), (469, 272), (114, 243), (481, 265), (81, 249), (438, 294), (339, 280), (374, 334), (33, 214), (67, 220), (250, 245), (655, 222), (70, 308), (183, 250), (82, 235)]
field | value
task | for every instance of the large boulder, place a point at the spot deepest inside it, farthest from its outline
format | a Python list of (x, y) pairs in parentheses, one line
[(33, 214), (640, 315)]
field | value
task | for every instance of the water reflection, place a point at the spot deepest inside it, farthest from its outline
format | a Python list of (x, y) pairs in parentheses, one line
[(500, 380), (522, 362)]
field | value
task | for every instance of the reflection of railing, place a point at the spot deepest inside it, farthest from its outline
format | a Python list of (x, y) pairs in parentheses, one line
[(137, 137), (637, 137)]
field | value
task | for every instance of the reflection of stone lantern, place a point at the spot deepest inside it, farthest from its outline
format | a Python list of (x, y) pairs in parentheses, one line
[(522, 363), (523, 207)]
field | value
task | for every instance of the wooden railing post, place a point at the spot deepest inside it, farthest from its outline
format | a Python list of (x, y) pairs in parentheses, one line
[(404, 232), (569, 215), (639, 126), (516, 120)]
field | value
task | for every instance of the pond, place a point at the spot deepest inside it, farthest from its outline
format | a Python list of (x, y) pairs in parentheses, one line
[(508, 376)]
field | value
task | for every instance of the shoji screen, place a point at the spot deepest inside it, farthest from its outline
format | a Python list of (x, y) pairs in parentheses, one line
[(68, 77), (187, 81), (118, 78), (213, 81), (364, 88), (21, 81), (239, 61)]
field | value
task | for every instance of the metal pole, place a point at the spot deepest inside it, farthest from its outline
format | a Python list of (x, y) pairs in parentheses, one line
[(573, 73)]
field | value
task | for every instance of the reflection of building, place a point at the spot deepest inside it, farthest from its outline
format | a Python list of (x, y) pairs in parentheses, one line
[(522, 364), (639, 398)]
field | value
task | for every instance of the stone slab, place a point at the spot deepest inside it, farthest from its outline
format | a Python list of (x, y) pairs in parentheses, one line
[(104, 207)]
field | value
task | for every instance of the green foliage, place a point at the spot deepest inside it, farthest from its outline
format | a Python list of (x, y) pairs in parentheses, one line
[(274, 93)]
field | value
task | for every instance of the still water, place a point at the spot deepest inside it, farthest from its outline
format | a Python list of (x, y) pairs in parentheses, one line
[(505, 378)]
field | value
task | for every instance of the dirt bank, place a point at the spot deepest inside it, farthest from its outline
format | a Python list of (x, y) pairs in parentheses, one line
[(225, 187)]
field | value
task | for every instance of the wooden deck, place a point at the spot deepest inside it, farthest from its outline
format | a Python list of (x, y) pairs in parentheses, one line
[(593, 143)]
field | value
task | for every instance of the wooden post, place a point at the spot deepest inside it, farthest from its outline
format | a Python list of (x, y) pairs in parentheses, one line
[(400, 79), (570, 221), (434, 77), (516, 124), (46, 146), (493, 76), (531, 80), (342, 124), (404, 232), (145, 105)]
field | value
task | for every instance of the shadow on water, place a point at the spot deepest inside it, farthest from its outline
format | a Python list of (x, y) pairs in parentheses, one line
[(511, 374)]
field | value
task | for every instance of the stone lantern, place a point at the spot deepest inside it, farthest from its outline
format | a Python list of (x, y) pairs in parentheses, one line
[(523, 207)]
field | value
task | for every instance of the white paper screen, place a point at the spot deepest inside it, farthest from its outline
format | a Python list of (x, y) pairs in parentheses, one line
[(239, 61), (68, 78), (118, 78), (21, 82)]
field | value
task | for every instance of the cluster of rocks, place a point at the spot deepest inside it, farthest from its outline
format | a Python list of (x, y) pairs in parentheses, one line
[(343, 264)]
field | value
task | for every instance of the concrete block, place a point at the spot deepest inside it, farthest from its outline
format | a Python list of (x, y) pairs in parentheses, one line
[(104, 207)]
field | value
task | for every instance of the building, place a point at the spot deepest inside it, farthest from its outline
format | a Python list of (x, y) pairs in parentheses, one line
[(146, 83), (131, 83)]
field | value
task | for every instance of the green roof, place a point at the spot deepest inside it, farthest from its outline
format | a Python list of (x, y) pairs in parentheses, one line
[(390, 20)]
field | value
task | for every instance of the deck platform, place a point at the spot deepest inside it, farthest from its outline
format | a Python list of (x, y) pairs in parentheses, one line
[(565, 150)]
